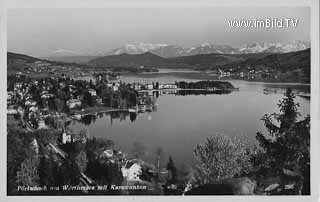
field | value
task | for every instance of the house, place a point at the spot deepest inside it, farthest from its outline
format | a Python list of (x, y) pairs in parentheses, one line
[(150, 86), (47, 96), (131, 171), (92, 92), (30, 103), (10, 97), (66, 138), (33, 109), (108, 153), (241, 74), (73, 103), (17, 86), (11, 110), (169, 86), (116, 86), (137, 86)]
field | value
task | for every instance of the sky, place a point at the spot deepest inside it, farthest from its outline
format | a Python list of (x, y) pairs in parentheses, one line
[(90, 31)]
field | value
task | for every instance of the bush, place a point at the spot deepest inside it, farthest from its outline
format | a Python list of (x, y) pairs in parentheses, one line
[(220, 157)]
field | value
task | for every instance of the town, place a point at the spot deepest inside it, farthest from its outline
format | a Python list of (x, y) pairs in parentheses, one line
[(48, 104)]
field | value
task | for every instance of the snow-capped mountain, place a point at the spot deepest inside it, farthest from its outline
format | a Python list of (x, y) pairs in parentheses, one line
[(274, 47), (64, 52), (167, 50), (137, 48)]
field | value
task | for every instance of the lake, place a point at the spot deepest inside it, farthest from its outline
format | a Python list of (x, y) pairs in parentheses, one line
[(180, 122)]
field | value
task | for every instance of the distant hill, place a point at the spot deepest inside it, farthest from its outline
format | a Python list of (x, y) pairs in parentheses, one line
[(14, 57), (71, 59), (287, 61), (16, 61), (126, 60), (284, 61)]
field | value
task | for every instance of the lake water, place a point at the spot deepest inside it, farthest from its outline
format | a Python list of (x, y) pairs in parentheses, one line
[(181, 122)]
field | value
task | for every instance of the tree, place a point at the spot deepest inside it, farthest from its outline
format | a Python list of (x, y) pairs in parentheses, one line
[(220, 157), (87, 99), (287, 144), (82, 161), (46, 171), (159, 153), (28, 173), (172, 172)]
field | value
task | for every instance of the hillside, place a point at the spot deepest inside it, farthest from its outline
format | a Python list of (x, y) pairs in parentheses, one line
[(285, 61), (71, 59), (126, 60), (14, 57)]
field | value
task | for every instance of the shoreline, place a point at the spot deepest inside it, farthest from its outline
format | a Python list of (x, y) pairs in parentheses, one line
[(204, 76)]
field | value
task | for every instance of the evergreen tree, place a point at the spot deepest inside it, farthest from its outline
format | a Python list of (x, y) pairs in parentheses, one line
[(28, 173), (46, 172), (172, 172), (287, 144)]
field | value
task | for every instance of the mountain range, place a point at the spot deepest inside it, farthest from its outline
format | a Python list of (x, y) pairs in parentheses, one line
[(292, 63), (167, 50), (170, 51)]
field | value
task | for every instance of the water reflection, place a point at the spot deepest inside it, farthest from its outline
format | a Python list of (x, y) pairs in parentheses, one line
[(147, 103)]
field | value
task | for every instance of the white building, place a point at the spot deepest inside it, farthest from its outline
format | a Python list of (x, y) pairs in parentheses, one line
[(73, 103), (30, 103), (116, 86), (149, 86), (66, 138), (11, 110), (131, 171), (168, 86), (47, 96), (92, 92)]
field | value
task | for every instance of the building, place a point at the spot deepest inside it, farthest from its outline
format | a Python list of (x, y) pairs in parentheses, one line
[(131, 171), (66, 138), (108, 153), (136, 86), (150, 86), (11, 110), (30, 103), (73, 103), (168, 86), (116, 86), (92, 92), (47, 96), (17, 86)]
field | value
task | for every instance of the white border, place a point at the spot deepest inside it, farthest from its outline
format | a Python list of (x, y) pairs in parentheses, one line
[(315, 89)]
